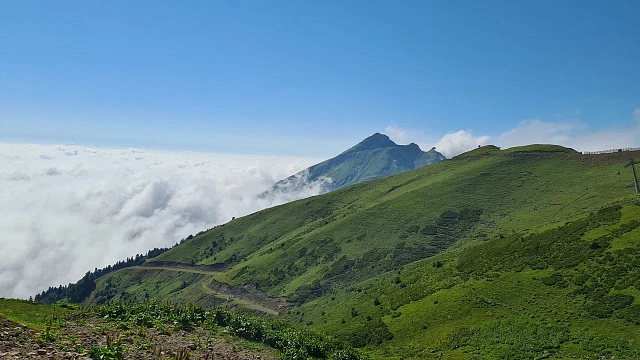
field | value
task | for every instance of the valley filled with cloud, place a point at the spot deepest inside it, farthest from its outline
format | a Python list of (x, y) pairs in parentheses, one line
[(65, 210)]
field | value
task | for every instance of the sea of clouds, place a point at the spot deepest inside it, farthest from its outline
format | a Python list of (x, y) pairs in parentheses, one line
[(65, 210)]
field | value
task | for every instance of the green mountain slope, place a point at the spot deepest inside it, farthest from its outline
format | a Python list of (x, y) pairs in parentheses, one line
[(374, 157), (565, 292), (508, 254)]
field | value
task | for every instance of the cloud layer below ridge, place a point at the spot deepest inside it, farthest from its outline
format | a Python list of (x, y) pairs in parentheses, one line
[(67, 209)]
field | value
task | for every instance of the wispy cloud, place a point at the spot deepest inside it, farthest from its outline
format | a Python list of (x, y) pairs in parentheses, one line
[(403, 136), (460, 141), (536, 131), (571, 133), (67, 209), (449, 145)]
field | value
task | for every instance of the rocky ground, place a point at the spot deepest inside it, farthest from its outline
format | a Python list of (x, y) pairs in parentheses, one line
[(74, 338)]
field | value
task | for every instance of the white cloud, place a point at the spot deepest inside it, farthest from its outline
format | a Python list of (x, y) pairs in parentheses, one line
[(406, 136), (570, 133), (449, 145), (460, 141), (65, 210), (574, 134), (401, 136), (539, 132)]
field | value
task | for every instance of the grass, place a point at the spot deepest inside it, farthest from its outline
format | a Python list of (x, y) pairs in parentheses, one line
[(534, 148), (135, 318), (541, 260), (113, 350), (292, 342), (33, 315), (483, 302), (292, 246)]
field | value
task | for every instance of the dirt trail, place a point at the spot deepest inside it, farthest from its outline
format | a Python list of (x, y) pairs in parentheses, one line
[(244, 302), (184, 268), (247, 296)]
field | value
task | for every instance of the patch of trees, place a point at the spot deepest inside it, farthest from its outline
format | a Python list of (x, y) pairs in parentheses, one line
[(78, 292), (110, 291), (371, 332)]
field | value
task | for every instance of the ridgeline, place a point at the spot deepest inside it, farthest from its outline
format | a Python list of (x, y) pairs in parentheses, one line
[(521, 253), (374, 157)]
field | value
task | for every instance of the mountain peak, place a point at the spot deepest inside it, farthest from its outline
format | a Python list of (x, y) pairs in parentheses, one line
[(372, 158), (375, 141)]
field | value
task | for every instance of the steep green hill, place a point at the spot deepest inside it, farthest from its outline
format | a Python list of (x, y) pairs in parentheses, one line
[(373, 158), (563, 292), (511, 254)]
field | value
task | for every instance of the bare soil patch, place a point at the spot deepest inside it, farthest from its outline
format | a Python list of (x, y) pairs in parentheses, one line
[(78, 334)]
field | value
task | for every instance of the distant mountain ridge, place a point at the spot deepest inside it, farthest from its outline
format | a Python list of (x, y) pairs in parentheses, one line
[(374, 157)]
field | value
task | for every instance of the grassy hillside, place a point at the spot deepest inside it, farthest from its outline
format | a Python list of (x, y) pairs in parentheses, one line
[(29, 314), (498, 254), (566, 291)]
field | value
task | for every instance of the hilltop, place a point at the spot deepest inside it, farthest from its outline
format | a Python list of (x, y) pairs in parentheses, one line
[(527, 149), (518, 253), (374, 157)]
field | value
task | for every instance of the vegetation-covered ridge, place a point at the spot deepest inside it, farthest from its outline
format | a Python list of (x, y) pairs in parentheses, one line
[(534, 148), (390, 222), (463, 257), (564, 291)]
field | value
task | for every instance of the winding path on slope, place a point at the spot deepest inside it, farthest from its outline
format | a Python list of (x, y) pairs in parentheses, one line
[(207, 288), (247, 296)]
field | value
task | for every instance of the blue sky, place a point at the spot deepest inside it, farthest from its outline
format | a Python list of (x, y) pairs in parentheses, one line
[(312, 78)]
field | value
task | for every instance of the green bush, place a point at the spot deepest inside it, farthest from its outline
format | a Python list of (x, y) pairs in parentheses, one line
[(556, 279), (631, 313), (604, 307), (293, 343), (514, 339), (112, 351)]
